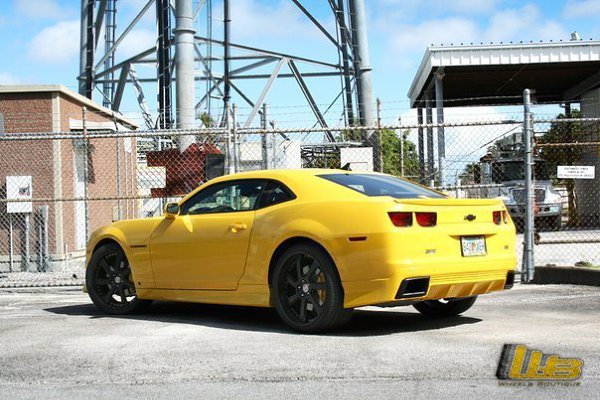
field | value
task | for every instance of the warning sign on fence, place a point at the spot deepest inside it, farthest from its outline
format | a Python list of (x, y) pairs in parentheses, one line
[(576, 172)]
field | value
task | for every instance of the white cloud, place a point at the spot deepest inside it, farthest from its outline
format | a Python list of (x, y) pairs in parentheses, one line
[(280, 19), (470, 6), (39, 9), (581, 8), (436, 31), (56, 44), (136, 41), (525, 23), (512, 24), (6, 78), (406, 9)]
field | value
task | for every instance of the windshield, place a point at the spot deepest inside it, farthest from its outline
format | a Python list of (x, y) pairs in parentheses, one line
[(515, 171), (381, 185)]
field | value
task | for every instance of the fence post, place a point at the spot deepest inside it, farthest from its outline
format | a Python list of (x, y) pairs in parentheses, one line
[(229, 155), (379, 158), (263, 136), (236, 142), (86, 160), (528, 251), (401, 150)]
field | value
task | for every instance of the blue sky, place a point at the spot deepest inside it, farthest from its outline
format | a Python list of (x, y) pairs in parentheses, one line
[(39, 39)]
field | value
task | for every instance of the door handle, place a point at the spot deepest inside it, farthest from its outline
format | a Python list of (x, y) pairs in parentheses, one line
[(237, 227)]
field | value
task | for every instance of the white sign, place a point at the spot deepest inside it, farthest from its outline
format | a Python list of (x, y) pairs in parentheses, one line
[(359, 158), (18, 188), (576, 172)]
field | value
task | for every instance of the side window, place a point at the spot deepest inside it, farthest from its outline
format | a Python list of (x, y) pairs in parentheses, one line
[(275, 193), (224, 197)]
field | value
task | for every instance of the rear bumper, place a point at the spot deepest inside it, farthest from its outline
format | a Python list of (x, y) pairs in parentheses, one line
[(544, 210), (455, 284)]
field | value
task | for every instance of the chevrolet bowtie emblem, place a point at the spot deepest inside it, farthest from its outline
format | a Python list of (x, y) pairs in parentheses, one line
[(470, 217)]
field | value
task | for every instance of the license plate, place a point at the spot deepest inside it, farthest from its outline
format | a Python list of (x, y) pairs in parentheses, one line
[(473, 246)]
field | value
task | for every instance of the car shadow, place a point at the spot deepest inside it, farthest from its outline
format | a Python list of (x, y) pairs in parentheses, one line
[(364, 322)]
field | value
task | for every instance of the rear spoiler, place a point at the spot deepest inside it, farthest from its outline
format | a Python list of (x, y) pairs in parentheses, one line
[(450, 202)]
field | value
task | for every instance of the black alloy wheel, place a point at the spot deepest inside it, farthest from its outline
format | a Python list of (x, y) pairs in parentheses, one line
[(445, 307), (308, 292), (109, 282)]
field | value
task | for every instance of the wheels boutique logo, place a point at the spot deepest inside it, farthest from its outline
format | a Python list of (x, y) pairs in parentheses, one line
[(522, 366)]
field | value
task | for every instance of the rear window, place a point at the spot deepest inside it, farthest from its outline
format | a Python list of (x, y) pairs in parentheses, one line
[(381, 185)]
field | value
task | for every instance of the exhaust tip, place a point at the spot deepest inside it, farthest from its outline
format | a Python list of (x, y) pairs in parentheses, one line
[(413, 287), (510, 280)]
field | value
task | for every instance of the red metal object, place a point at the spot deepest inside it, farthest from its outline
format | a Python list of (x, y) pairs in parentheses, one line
[(185, 171)]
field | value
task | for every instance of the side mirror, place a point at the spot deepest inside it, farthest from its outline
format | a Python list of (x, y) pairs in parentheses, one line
[(172, 210)]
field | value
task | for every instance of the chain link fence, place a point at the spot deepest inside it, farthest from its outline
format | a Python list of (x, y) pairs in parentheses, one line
[(57, 188)]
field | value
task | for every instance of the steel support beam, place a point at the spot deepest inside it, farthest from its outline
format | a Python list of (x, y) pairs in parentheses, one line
[(116, 103), (439, 110), (135, 59), (339, 13), (163, 70), (226, 54), (265, 91), (267, 52), (87, 44), (309, 98), (108, 7), (99, 20), (429, 121), (317, 24), (362, 67), (582, 87), (421, 146), (124, 34), (252, 66)]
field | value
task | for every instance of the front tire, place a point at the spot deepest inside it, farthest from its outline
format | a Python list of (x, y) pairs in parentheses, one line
[(307, 290), (445, 308), (109, 282)]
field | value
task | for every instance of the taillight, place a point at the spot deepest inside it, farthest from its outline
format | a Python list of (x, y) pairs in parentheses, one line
[(505, 216), (401, 218), (426, 219), (497, 217)]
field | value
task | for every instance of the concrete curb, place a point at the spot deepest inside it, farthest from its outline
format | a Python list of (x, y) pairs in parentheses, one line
[(568, 275)]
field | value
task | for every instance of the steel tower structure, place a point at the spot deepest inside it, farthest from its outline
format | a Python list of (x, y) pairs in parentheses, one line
[(207, 67)]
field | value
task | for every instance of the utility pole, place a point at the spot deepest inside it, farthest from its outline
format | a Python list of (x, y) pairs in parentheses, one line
[(528, 254), (184, 45)]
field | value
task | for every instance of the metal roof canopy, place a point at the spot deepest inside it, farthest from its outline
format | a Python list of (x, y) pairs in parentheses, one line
[(497, 74)]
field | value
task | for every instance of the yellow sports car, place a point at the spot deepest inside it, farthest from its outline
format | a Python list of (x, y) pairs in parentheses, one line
[(313, 243)]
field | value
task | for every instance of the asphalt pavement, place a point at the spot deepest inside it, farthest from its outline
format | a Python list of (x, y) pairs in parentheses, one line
[(54, 344)]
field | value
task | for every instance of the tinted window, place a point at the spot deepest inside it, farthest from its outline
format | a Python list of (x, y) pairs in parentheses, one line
[(381, 185), (275, 193), (224, 197)]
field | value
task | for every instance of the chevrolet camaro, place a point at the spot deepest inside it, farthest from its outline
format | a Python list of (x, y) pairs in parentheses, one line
[(312, 243)]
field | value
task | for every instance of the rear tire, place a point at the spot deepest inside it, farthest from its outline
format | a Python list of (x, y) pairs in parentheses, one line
[(308, 293), (109, 283), (445, 308)]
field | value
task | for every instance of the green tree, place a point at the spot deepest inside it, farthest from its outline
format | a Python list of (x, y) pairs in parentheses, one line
[(392, 146), (471, 174), (564, 132)]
